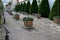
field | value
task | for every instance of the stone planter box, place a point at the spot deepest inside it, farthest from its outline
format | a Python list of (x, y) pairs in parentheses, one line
[(17, 16), (10, 12), (28, 22), (38, 16), (34, 14), (57, 20)]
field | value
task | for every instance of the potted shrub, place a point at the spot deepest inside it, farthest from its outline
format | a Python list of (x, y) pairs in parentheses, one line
[(38, 16), (34, 7), (55, 12), (24, 6), (17, 9), (28, 22), (9, 5), (44, 9)]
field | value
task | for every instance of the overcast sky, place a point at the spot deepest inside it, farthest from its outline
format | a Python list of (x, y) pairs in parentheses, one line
[(50, 2)]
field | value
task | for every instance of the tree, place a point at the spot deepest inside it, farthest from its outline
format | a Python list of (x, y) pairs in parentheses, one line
[(10, 3), (24, 5), (34, 6), (44, 9), (55, 9), (28, 6), (17, 7), (21, 7)]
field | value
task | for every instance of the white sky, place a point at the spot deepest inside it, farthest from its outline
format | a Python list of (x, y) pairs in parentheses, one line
[(50, 2)]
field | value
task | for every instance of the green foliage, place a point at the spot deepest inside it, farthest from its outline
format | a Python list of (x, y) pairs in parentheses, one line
[(21, 8), (1, 6), (34, 7), (10, 3), (24, 5), (28, 7), (27, 19), (55, 9), (17, 7), (44, 9)]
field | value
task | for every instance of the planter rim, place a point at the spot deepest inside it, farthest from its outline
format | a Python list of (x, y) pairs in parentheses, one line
[(56, 17), (27, 19)]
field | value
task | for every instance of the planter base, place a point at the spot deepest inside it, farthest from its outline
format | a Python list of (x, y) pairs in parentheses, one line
[(57, 21), (27, 27), (17, 16), (38, 17), (10, 12)]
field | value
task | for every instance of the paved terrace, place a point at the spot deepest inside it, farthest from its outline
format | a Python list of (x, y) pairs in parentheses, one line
[(2, 32), (43, 29)]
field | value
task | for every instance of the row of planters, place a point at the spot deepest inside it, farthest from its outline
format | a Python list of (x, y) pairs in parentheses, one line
[(29, 9), (42, 10), (28, 22)]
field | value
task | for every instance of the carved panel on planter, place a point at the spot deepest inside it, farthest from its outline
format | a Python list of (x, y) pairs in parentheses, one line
[(57, 21), (28, 23)]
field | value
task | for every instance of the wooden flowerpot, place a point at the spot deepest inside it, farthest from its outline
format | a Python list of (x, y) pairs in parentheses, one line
[(28, 23), (10, 12), (33, 14), (57, 20), (38, 16), (17, 16)]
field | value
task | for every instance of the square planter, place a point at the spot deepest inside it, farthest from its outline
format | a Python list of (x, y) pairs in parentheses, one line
[(38, 16), (28, 22), (57, 20), (10, 12), (34, 14), (17, 16)]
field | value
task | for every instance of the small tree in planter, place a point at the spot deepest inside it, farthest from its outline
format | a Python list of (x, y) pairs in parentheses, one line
[(34, 7), (28, 22), (38, 15), (24, 6), (55, 12), (9, 5), (44, 8), (17, 9)]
